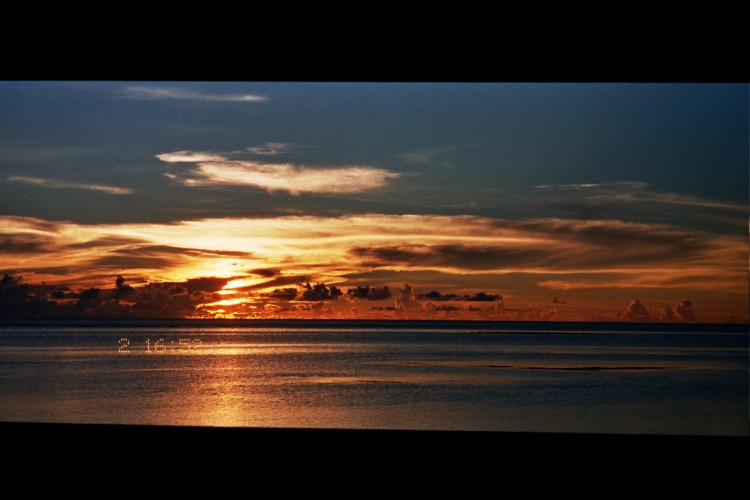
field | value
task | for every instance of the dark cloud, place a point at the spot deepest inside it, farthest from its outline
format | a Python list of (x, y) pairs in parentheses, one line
[(374, 293), (159, 250), (55, 270), (549, 243), (477, 297), (483, 297), (89, 294), (445, 308), (461, 256), (684, 311), (636, 311), (21, 243), (209, 284), (279, 281), (320, 292), (107, 241), (265, 273), (434, 295), (133, 262), (614, 234), (283, 294)]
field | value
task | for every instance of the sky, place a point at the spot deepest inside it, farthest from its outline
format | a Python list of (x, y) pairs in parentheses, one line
[(486, 201)]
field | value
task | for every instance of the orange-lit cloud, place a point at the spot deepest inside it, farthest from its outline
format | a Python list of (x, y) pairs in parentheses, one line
[(334, 246), (216, 170), (280, 266)]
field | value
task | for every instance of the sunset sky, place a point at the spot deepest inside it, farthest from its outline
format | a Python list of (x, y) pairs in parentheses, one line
[(507, 201)]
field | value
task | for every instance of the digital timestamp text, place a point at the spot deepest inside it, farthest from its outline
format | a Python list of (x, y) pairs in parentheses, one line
[(158, 344)]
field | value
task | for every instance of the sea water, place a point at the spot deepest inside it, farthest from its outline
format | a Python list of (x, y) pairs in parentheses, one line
[(481, 376)]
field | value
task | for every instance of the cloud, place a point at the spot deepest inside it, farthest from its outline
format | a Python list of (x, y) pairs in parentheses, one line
[(24, 243), (444, 308), (422, 156), (465, 253), (131, 262), (320, 292), (56, 184), (190, 157), (407, 301), (636, 311), (266, 273), (374, 293), (153, 300), (269, 148), (455, 255), (636, 192), (552, 244), (148, 92), (283, 294), (477, 297), (278, 281), (685, 311), (216, 170), (682, 312)]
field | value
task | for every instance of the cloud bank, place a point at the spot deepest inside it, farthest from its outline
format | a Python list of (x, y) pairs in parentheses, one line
[(476, 265)]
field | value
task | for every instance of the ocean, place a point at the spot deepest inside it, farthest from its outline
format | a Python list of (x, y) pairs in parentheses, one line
[(653, 379)]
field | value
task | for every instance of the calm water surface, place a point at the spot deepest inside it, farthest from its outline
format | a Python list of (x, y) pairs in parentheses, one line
[(526, 377)]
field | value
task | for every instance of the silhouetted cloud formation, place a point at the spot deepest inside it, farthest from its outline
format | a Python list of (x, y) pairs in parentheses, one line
[(685, 310), (636, 311), (283, 293), (445, 308), (365, 292), (206, 284), (681, 312), (320, 292), (265, 273), (477, 297)]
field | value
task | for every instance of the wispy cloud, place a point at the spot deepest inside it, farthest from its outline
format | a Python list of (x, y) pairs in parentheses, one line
[(216, 170), (148, 92), (190, 157), (636, 192), (56, 184), (270, 148), (423, 156)]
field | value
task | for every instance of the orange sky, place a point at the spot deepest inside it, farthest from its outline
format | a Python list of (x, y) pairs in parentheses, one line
[(407, 266)]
